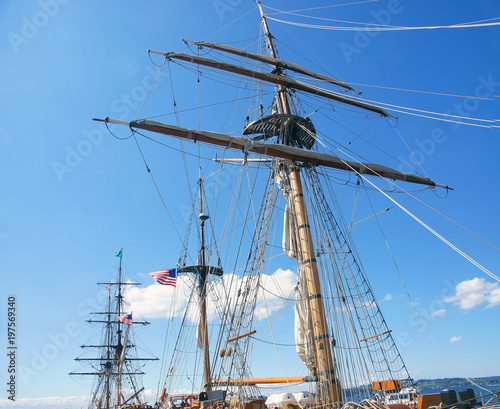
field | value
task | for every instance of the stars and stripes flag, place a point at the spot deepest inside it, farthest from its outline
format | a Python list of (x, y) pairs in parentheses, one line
[(126, 319), (165, 277)]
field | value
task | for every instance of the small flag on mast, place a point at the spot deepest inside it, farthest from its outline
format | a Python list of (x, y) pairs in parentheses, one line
[(165, 277), (119, 253), (108, 287), (126, 319)]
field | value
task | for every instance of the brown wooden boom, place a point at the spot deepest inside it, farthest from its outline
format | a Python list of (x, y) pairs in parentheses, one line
[(275, 150), (282, 64), (257, 381), (274, 79)]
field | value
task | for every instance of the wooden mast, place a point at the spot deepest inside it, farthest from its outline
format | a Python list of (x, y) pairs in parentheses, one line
[(327, 391), (108, 351), (203, 274), (119, 332)]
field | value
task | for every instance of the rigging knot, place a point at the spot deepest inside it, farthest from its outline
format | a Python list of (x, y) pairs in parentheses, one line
[(247, 145)]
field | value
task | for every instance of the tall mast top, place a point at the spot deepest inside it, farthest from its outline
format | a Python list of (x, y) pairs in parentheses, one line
[(268, 33), (281, 90)]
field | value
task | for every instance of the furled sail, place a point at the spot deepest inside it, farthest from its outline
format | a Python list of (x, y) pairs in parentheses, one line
[(303, 333), (274, 79), (199, 332), (280, 64), (276, 150), (289, 242)]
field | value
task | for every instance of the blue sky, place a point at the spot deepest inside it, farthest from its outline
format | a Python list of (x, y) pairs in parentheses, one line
[(72, 195)]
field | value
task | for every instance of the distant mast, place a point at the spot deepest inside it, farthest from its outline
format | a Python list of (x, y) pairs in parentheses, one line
[(119, 347), (110, 364)]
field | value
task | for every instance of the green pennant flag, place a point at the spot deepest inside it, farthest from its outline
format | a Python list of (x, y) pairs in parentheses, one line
[(119, 253)]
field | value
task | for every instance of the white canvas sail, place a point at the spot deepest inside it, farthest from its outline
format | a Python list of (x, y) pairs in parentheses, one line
[(303, 333), (289, 241)]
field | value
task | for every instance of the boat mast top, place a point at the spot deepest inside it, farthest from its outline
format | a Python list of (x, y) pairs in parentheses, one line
[(285, 107)]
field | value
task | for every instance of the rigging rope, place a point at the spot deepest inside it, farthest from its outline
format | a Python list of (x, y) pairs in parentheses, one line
[(423, 92), (276, 349), (319, 8), (411, 152), (437, 113), (426, 226), (444, 240), (413, 304), (157, 189), (226, 26), (380, 27)]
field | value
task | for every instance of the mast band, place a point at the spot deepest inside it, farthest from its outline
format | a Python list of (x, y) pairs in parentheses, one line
[(298, 195), (313, 297), (309, 260), (327, 372), (304, 226), (322, 336)]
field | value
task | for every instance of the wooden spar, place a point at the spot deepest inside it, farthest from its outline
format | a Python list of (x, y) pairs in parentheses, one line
[(275, 150), (256, 381), (247, 334), (274, 61), (280, 80), (375, 336)]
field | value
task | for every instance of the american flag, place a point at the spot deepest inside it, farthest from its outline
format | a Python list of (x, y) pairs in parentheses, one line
[(126, 319), (165, 277)]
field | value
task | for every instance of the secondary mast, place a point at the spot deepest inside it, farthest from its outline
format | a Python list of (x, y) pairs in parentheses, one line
[(203, 271), (203, 274), (119, 347), (113, 366)]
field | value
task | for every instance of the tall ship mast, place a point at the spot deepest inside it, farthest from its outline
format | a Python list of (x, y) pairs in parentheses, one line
[(278, 232), (114, 363)]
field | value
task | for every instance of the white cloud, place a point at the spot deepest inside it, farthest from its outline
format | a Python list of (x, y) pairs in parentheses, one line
[(455, 339), (439, 313), (275, 287), (471, 293), (157, 301), (162, 301), (388, 297), (494, 298)]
